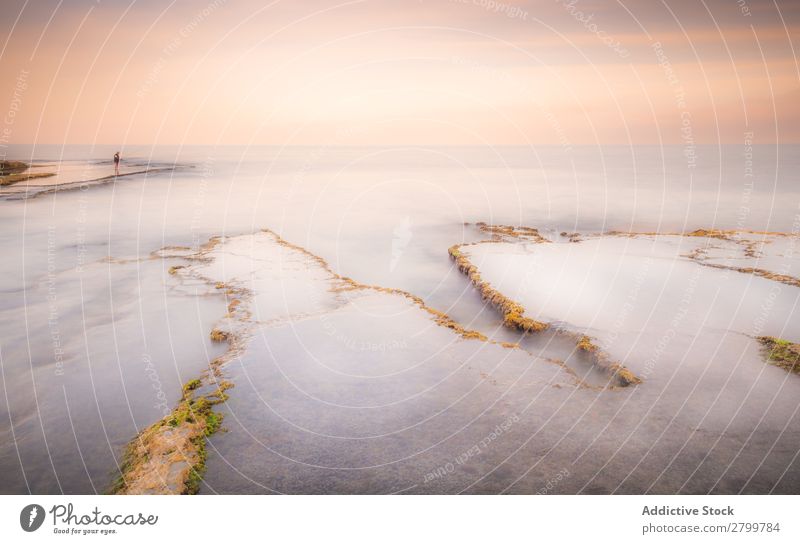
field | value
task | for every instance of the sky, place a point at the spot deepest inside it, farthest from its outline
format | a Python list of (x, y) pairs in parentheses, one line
[(399, 72)]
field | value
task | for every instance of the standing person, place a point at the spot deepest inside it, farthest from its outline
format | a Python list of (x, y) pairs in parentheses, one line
[(116, 163)]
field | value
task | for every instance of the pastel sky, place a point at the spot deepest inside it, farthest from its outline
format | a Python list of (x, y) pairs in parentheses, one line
[(315, 72)]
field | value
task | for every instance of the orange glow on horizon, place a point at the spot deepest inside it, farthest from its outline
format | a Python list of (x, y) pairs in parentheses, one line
[(380, 72)]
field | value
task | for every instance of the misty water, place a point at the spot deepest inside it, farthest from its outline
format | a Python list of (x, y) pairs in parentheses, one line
[(361, 392)]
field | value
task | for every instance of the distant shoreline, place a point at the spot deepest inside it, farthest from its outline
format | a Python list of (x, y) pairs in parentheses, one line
[(12, 172), (68, 186)]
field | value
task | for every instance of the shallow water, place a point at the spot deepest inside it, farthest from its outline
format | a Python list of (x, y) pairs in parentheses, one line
[(310, 413), (639, 285), (368, 396), (72, 174), (687, 330), (90, 358)]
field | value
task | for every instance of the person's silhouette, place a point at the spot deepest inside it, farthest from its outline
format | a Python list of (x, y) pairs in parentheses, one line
[(116, 163)]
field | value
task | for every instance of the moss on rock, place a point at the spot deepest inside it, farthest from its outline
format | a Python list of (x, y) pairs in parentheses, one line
[(781, 353)]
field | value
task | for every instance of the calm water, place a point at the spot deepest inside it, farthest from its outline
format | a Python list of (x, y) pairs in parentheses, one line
[(97, 337)]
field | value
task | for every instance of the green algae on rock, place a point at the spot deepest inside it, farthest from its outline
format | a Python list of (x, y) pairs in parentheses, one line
[(781, 353), (514, 313), (168, 458)]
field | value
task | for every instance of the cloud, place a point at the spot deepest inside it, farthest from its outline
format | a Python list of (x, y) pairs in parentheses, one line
[(459, 71)]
